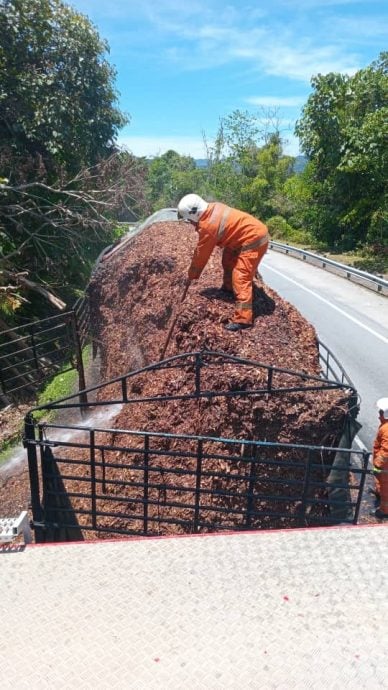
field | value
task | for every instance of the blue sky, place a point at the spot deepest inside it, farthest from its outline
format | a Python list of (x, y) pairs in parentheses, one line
[(182, 65)]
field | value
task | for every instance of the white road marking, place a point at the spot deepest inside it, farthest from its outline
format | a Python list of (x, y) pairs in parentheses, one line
[(330, 304), (360, 444)]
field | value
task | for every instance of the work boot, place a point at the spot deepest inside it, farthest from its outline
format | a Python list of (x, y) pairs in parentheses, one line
[(226, 291), (237, 326), (379, 514)]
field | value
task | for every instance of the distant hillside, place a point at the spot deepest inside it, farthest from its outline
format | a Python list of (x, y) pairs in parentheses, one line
[(300, 164)]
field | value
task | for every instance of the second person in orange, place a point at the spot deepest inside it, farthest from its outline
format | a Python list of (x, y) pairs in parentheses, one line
[(244, 240), (380, 460)]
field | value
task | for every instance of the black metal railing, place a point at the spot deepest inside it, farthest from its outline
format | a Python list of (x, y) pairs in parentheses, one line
[(195, 365), (126, 481), (32, 353), (116, 481)]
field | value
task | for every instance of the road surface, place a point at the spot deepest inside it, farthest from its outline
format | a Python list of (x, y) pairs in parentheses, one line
[(350, 320)]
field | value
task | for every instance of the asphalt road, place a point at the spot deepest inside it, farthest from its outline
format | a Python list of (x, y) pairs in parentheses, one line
[(350, 320)]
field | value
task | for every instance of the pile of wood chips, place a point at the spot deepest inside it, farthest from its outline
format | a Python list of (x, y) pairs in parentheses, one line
[(136, 294)]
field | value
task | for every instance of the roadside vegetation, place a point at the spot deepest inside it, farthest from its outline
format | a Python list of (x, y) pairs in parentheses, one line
[(63, 384), (64, 185), (335, 203)]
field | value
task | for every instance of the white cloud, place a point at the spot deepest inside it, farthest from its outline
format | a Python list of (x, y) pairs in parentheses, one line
[(277, 101), (203, 35), (300, 61), (279, 51), (284, 49)]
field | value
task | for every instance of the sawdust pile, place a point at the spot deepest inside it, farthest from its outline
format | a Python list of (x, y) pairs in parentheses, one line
[(135, 296)]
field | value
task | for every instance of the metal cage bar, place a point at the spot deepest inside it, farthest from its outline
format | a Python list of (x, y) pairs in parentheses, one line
[(266, 489)]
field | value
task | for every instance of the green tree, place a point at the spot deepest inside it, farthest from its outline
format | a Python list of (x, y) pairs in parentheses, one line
[(63, 183), (170, 176), (54, 233), (344, 131), (240, 134), (263, 193), (239, 171), (56, 90), (246, 165)]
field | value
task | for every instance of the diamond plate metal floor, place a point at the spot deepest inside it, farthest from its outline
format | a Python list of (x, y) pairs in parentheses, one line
[(289, 609)]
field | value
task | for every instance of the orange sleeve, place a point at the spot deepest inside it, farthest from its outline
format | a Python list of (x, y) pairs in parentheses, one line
[(376, 445), (380, 446), (203, 250)]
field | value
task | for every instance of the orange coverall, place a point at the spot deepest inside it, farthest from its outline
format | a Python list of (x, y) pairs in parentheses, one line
[(244, 240), (380, 462)]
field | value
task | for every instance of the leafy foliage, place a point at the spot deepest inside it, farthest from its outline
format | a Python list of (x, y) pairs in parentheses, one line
[(344, 132), (170, 177), (56, 90), (240, 172), (57, 231), (63, 183)]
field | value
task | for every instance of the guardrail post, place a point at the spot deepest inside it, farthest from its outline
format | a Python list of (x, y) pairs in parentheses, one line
[(124, 391), (3, 389), (33, 347), (370, 281), (303, 505), (269, 379), (103, 483)]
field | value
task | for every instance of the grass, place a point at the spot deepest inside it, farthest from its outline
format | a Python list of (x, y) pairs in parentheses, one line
[(376, 264), (60, 386), (63, 384)]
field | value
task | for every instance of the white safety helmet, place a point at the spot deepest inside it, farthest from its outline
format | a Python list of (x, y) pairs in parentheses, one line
[(382, 404), (191, 207)]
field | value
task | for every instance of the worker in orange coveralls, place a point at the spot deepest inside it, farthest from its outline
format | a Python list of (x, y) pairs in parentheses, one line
[(244, 240), (380, 460)]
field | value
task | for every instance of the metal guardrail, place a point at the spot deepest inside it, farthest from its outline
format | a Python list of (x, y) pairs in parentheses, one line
[(368, 280)]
